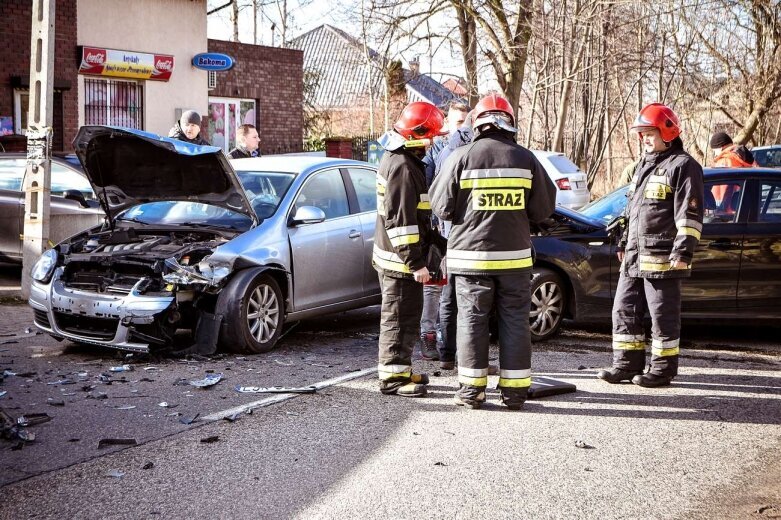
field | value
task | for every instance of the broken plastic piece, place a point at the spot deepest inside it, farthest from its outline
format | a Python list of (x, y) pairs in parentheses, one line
[(126, 407), (583, 445), (32, 419), (276, 390), (103, 443), (209, 380), (2, 394), (189, 420), (123, 368), (148, 465), (65, 381), (209, 440), (55, 402), (114, 473)]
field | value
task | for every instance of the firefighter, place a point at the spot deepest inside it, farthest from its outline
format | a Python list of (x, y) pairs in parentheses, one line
[(663, 225), (491, 189), (401, 240)]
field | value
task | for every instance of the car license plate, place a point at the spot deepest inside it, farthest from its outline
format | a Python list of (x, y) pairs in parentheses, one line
[(579, 185)]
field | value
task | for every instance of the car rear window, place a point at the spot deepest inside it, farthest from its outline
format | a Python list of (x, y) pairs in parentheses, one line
[(562, 164), (770, 158)]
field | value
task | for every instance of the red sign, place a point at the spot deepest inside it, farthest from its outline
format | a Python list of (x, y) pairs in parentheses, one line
[(126, 64)]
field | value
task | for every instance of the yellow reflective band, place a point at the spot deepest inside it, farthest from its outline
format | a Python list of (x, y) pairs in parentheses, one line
[(663, 352), (496, 183), (524, 382), (388, 260), (405, 239), (488, 264), (690, 232), (629, 345), (380, 189), (657, 190), (473, 381), (654, 267), (497, 200), (424, 205)]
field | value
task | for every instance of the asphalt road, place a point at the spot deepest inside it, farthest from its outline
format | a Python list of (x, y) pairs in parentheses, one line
[(707, 447)]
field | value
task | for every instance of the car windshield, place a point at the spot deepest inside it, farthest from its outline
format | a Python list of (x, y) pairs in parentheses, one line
[(177, 213), (608, 207), (265, 189), (770, 157)]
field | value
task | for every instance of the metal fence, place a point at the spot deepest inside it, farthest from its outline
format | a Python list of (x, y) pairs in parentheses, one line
[(113, 102), (361, 146)]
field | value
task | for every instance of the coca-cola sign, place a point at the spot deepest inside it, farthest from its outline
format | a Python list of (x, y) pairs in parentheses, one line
[(126, 64)]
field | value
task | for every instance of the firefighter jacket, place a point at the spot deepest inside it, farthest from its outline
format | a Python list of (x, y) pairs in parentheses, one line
[(664, 214), (491, 189), (403, 230)]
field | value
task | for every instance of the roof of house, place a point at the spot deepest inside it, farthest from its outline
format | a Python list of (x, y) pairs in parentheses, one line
[(338, 61)]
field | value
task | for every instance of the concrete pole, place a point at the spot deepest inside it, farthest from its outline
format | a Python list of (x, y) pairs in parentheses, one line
[(37, 184)]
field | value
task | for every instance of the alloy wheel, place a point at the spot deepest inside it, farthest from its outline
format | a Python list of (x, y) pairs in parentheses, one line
[(263, 313), (546, 308)]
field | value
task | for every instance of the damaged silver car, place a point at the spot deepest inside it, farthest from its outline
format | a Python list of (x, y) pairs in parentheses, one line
[(195, 255)]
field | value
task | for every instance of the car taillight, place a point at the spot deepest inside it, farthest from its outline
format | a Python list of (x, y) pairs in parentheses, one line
[(563, 184)]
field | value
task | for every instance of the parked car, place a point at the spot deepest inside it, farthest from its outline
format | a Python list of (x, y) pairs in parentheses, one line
[(571, 182), (194, 248), (736, 272), (73, 204), (768, 156)]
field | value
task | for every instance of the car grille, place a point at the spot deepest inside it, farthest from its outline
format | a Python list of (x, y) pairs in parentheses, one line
[(42, 318), (97, 328)]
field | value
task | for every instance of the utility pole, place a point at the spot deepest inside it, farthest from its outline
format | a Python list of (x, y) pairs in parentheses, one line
[(37, 184)]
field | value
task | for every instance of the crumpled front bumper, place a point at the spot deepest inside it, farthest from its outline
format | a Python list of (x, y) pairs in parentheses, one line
[(72, 314)]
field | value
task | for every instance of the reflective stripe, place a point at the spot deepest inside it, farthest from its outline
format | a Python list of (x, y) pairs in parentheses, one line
[(493, 173), (658, 268), (498, 199), (515, 383), (687, 222), (473, 381), (657, 190), (388, 260), (496, 183), (628, 337), (628, 345), (405, 240), (424, 202), (404, 235), (394, 369), (687, 231), (515, 374), (472, 372), (488, 260), (664, 352), (658, 343), (382, 180)]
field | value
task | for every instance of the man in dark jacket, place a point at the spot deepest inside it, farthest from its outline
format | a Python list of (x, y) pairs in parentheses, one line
[(491, 190), (664, 222), (401, 240), (247, 143), (188, 128)]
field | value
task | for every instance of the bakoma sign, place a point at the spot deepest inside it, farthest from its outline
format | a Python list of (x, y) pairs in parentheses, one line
[(212, 61)]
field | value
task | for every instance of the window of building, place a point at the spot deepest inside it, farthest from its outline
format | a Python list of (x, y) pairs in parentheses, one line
[(113, 102), (225, 115), (21, 107)]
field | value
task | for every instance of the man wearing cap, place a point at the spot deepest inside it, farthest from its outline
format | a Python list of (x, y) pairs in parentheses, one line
[(188, 128)]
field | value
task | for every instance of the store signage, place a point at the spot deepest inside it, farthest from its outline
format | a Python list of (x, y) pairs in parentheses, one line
[(126, 64), (212, 61)]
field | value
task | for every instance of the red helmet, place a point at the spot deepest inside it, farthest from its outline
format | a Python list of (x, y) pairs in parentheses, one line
[(420, 120), (661, 117), (493, 103)]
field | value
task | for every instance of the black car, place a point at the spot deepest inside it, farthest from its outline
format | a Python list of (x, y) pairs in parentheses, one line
[(736, 272)]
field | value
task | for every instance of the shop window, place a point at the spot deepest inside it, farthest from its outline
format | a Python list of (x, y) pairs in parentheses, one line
[(225, 115), (113, 102)]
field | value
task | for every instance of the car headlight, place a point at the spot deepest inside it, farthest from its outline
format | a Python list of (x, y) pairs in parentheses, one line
[(44, 267)]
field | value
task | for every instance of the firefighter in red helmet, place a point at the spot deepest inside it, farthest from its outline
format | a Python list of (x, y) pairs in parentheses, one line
[(401, 240), (663, 225), (491, 190)]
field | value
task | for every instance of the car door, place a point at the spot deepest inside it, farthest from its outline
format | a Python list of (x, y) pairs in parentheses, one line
[(363, 187), (759, 286), (328, 257), (11, 208), (714, 278), (69, 217)]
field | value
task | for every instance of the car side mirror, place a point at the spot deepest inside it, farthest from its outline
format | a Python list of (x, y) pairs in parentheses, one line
[(307, 215), (77, 196)]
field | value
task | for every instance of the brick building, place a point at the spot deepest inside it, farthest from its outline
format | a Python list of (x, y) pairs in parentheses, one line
[(264, 88), (16, 20)]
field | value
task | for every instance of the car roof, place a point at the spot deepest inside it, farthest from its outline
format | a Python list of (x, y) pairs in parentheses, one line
[(710, 171), (293, 163), (766, 147)]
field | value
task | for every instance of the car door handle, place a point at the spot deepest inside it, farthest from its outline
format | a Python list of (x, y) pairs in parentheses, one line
[(723, 244), (354, 233)]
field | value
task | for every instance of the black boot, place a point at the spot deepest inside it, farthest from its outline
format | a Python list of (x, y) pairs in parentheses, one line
[(650, 380), (428, 346), (618, 375)]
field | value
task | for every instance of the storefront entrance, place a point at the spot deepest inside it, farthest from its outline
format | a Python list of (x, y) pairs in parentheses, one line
[(225, 115)]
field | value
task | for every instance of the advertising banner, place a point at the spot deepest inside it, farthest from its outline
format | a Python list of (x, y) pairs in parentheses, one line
[(126, 64)]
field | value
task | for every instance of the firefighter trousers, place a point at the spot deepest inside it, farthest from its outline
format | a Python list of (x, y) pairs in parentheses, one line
[(402, 305), (476, 296), (662, 299)]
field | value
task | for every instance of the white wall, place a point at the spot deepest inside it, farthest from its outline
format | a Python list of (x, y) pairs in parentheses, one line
[(176, 27)]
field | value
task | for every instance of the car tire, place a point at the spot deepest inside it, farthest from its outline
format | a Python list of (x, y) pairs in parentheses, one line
[(254, 314), (548, 301)]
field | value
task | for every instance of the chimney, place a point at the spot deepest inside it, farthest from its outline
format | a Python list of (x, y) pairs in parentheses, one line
[(414, 66)]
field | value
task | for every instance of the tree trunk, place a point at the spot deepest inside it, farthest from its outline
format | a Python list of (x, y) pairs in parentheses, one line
[(235, 20), (467, 28)]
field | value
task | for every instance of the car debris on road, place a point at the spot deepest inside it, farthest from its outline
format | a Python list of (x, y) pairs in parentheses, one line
[(276, 390)]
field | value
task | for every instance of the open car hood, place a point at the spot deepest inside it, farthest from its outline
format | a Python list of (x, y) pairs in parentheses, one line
[(127, 167)]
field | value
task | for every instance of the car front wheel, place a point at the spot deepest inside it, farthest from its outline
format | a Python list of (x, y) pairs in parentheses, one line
[(547, 304), (255, 314)]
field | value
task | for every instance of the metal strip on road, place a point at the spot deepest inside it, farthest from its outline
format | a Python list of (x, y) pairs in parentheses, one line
[(268, 401)]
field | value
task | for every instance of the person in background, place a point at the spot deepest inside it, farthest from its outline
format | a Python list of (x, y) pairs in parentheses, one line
[(728, 154), (247, 143), (188, 128)]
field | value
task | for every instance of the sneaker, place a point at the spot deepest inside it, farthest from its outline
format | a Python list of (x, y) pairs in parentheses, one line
[(428, 346), (617, 375), (513, 398), (403, 387), (447, 365), (650, 380), (470, 396)]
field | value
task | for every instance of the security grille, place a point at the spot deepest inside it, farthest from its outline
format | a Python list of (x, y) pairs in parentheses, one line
[(113, 102)]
